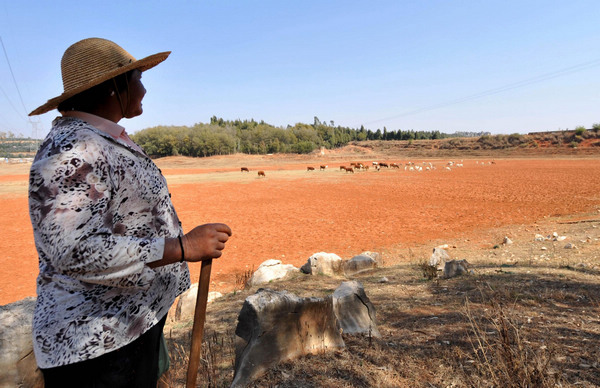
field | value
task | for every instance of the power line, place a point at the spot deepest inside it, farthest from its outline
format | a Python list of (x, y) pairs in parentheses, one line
[(11, 104), (489, 92), (13, 76)]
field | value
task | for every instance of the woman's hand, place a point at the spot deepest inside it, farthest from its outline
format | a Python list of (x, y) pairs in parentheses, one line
[(205, 242), (201, 243)]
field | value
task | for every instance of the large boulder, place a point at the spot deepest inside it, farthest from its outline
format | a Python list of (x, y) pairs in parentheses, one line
[(360, 263), (323, 263), (271, 270), (274, 326), (18, 367), (354, 310), (186, 304)]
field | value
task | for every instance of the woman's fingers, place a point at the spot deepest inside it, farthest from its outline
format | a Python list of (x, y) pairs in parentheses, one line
[(222, 228)]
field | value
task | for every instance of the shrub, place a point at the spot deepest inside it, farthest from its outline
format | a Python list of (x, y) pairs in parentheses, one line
[(596, 127), (515, 139), (304, 147), (429, 271), (579, 130), (502, 353)]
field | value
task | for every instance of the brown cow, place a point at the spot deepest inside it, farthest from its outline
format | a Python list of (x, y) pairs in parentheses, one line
[(261, 173), (350, 169), (310, 168), (342, 168), (245, 169), (322, 167)]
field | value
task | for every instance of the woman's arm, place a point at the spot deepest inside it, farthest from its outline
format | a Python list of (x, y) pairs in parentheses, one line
[(91, 217)]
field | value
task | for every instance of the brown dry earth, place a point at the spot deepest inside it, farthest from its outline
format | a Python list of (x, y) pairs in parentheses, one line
[(292, 213)]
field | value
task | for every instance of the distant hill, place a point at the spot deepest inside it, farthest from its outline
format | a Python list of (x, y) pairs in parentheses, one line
[(575, 142)]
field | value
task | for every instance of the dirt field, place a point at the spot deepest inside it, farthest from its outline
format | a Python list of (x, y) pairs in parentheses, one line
[(292, 213)]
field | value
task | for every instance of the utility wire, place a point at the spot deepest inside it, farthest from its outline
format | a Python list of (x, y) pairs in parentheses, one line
[(515, 85), (11, 104), (13, 76)]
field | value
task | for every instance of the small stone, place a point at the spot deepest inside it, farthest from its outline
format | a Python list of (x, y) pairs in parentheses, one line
[(570, 246), (383, 280)]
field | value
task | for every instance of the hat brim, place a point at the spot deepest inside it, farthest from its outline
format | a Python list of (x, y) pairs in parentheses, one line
[(142, 65)]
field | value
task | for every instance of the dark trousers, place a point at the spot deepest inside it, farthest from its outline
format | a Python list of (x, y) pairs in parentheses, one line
[(132, 366)]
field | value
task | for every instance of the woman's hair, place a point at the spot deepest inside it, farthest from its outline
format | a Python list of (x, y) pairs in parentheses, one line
[(89, 99)]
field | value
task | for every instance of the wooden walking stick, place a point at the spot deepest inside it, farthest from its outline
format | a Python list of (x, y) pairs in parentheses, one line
[(198, 328)]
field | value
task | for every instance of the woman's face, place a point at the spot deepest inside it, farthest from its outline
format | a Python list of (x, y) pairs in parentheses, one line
[(135, 96)]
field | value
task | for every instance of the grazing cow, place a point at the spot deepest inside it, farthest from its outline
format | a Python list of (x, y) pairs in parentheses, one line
[(322, 167), (342, 168), (310, 168), (350, 169), (394, 165), (245, 169), (261, 173), (384, 165)]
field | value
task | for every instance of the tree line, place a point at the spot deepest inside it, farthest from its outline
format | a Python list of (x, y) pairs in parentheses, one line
[(221, 137)]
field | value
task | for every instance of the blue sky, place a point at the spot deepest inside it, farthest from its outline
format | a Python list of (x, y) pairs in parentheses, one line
[(498, 66)]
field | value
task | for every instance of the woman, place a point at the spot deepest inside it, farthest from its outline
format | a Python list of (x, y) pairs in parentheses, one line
[(111, 249)]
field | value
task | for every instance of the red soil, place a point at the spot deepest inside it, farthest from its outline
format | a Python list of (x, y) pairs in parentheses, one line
[(291, 213)]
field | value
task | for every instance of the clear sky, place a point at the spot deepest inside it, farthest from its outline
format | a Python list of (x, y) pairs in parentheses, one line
[(501, 66)]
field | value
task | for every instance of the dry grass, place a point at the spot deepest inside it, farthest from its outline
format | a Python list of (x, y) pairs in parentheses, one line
[(526, 318)]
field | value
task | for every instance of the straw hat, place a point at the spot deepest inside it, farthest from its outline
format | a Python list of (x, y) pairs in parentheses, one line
[(92, 61)]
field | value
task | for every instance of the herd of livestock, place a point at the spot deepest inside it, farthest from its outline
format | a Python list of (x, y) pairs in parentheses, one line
[(358, 166)]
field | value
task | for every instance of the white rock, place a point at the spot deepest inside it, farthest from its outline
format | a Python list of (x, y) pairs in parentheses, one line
[(271, 270), (539, 237), (359, 263), (186, 305), (438, 258), (354, 310), (323, 263)]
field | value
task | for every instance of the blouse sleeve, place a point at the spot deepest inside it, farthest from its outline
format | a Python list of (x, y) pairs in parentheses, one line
[(73, 205)]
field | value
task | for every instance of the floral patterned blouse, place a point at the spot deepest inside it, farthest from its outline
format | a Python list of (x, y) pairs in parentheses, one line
[(100, 212)]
